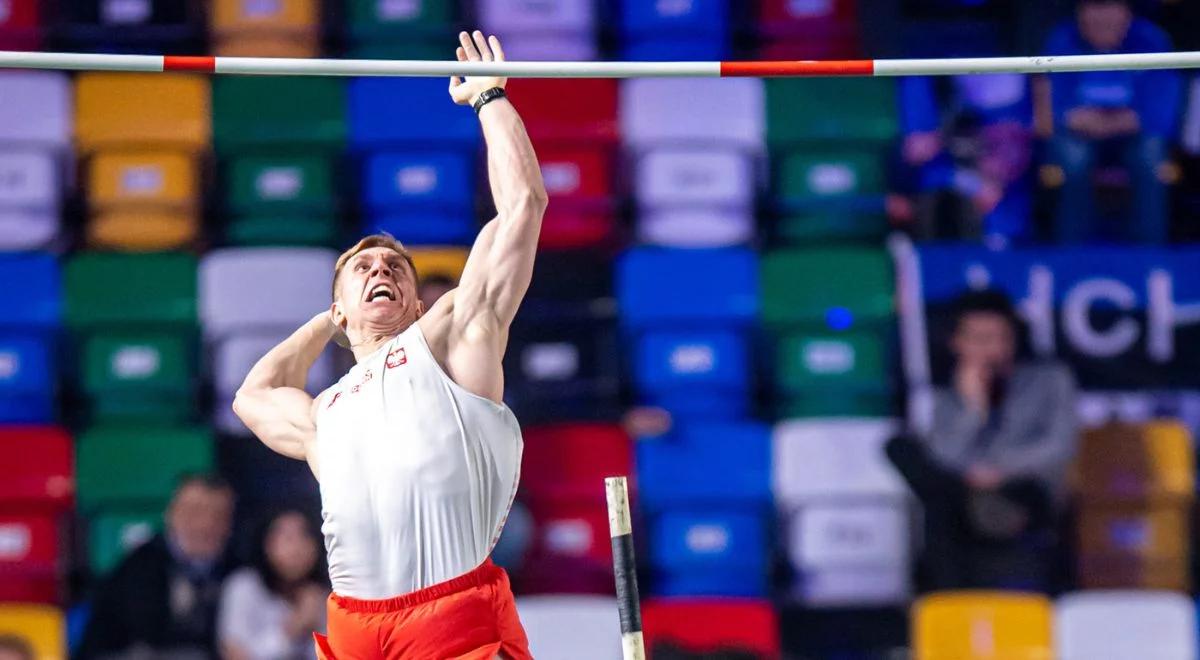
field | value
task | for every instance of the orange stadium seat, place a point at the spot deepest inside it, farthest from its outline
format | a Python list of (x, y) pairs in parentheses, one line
[(42, 626), (266, 28), (152, 109), (143, 231), (447, 262), (143, 179), (982, 625)]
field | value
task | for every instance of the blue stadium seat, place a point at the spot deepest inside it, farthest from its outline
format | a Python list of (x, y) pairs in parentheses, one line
[(698, 552), (695, 373), (421, 197), (29, 319), (675, 29), (659, 287), (408, 112), (141, 26)]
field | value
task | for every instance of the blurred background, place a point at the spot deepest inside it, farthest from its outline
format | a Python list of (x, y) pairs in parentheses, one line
[(895, 366)]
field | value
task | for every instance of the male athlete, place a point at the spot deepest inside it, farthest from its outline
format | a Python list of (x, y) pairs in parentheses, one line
[(417, 457)]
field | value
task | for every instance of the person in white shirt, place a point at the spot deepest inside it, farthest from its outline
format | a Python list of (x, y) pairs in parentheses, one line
[(417, 456)]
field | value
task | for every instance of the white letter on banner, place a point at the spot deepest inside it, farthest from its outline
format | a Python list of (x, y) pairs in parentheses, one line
[(1079, 332), (1038, 310), (1160, 316)]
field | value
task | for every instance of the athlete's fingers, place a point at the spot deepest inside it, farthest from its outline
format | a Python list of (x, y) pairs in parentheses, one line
[(481, 44), (469, 46), (496, 49)]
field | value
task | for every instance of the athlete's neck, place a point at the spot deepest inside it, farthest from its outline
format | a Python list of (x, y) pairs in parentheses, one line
[(366, 347)]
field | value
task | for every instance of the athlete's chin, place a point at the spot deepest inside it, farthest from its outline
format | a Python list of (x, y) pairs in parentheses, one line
[(383, 320)]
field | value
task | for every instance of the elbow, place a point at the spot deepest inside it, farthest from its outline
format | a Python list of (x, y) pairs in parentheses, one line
[(239, 404), (535, 200)]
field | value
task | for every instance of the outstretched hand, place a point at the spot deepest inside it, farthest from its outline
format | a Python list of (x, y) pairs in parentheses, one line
[(475, 48)]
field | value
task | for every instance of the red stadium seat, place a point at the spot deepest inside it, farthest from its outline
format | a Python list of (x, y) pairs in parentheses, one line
[(563, 485), (710, 625), (19, 25), (819, 29), (567, 110), (29, 557), (38, 468), (579, 182)]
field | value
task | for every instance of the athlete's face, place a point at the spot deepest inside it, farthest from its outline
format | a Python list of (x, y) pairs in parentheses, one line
[(377, 295)]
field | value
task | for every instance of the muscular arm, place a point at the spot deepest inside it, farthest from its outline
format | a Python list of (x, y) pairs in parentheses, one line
[(499, 269), (272, 401)]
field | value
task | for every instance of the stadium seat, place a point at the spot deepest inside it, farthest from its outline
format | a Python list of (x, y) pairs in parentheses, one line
[(422, 197), (111, 536), (31, 552), (562, 368), (142, 109), (981, 625), (31, 190), (563, 471), (581, 627), (844, 510), (44, 627), (711, 627), (568, 111), (144, 26), (660, 287), (20, 25), (1113, 625), (37, 485), (281, 199), (279, 112), (534, 30), (694, 373), (687, 31), (825, 193), (143, 200), (408, 113), (831, 335), (571, 284), (130, 290), (28, 329), (442, 262), (418, 30), (35, 136), (830, 110), (241, 324), (826, 29), (252, 28), (1135, 489), (126, 466)]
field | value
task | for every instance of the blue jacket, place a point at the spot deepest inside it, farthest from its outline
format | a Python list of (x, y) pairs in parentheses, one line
[(1154, 95)]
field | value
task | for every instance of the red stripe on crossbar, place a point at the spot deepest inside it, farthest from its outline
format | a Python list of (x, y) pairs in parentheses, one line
[(799, 68), (187, 63)]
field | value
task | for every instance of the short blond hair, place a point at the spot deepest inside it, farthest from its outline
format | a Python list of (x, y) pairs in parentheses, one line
[(382, 239)]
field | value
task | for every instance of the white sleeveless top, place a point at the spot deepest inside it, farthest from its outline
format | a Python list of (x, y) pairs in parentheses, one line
[(417, 473)]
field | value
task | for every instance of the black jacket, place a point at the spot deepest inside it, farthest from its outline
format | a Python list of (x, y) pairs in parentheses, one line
[(150, 601)]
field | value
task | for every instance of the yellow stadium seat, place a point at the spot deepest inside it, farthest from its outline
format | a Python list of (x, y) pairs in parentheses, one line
[(147, 109), (41, 625), (440, 262), (266, 28), (146, 179), (982, 625), (143, 231)]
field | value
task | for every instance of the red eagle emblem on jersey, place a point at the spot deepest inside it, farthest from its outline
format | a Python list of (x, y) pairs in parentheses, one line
[(396, 358), (333, 400)]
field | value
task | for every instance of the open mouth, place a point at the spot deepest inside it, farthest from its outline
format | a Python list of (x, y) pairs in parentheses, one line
[(381, 292)]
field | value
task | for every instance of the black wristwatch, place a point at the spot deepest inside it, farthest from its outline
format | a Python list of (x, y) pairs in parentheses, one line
[(487, 96)]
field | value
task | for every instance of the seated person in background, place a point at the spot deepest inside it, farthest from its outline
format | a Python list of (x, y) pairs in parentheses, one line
[(991, 471), (270, 609), (1124, 116), (968, 142), (13, 647), (162, 598)]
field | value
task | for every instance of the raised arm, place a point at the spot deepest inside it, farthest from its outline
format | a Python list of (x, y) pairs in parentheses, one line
[(501, 263), (272, 401)]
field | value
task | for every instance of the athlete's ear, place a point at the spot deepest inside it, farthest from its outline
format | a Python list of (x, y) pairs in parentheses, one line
[(339, 318), (420, 308)]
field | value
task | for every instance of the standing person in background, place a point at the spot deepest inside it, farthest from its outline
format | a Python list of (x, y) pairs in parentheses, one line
[(162, 599), (13, 647), (270, 609), (1128, 116), (991, 471)]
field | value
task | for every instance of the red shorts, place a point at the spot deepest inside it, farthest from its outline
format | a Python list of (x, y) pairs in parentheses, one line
[(472, 617)]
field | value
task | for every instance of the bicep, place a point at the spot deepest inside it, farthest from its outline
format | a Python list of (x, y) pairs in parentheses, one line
[(281, 417), (499, 268)]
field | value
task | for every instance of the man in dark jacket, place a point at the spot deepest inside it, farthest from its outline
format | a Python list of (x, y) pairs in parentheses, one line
[(161, 600)]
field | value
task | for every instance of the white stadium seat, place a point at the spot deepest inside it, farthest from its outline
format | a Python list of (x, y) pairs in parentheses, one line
[(576, 627), (1118, 625)]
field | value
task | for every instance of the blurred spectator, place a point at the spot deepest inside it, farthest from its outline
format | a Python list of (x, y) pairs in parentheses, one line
[(162, 599), (13, 647), (434, 287), (1123, 116), (270, 609), (967, 146), (991, 471)]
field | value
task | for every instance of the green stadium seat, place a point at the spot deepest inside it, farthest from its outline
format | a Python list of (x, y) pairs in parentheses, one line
[(112, 535), (134, 319), (281, 112), (838, 110), (281, 200), (388, 29), (830, 193), (128, 467), (132, 376), (829, 314)]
